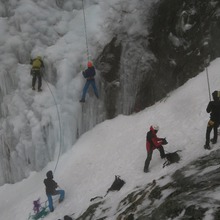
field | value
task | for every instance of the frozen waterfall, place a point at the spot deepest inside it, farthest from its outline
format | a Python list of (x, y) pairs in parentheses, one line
[(31, 131)]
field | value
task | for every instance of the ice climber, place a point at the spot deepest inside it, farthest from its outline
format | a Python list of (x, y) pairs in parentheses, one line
[(214, 109), (36, 72), (89, 75), (152, 143), (51, 190)]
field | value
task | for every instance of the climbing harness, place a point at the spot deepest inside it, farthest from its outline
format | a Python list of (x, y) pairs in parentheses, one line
[(85, 28)]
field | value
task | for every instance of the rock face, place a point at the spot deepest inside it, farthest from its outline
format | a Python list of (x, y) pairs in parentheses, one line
[(190, 194), (138, 70)]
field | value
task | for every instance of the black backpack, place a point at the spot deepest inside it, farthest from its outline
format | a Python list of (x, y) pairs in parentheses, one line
[(66, 217), (171, 158), (117, 184)]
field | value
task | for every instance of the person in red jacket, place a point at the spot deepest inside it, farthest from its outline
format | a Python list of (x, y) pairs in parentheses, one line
[(152, 143)]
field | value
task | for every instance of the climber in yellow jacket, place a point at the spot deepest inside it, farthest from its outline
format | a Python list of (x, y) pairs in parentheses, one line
[(36, 72)]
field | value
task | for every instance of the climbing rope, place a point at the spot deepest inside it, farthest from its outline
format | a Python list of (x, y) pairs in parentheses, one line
[(207, 75), (58, 115), (85, 28), (206, 62)]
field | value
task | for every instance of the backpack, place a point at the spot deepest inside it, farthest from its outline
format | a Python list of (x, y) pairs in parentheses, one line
[(66, 217), (36, 63), (116, 186), (171, 158), (37, 206)]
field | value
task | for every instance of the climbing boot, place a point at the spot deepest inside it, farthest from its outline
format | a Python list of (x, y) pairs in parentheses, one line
[(207, 147)]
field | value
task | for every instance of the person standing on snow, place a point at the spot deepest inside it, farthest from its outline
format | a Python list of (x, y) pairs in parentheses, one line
[(51, 186), (89, 75), (36, 72), (214, 109), (152, 143)]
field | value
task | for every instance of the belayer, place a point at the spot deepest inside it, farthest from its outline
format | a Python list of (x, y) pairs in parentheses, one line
[(51, 190), (36, 72), (152, 143), (214, 109), (89, 75)]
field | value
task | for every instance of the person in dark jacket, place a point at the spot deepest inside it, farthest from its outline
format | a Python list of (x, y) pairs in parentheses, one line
[(89, 75), (214, 109), (36, 72), (152, 143), (51, 190)]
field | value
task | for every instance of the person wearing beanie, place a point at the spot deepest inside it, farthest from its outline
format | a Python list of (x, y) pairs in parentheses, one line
[(214, 109), (89, 75), (152, 143), (51, 190)]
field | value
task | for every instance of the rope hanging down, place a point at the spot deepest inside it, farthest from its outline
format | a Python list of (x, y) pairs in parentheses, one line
[(207, 75), (84, 16), (207, 61), (58, 115)]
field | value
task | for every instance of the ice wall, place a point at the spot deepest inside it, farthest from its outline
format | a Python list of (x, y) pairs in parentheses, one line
[(35, 126)]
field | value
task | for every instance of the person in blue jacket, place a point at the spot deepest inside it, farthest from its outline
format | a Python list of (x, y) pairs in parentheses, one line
[(89, 75), (51, 190)]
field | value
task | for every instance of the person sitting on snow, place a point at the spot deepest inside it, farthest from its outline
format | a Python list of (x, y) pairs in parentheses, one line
[(152, 143), (89, 75), (214, 109), (36, 72), (51, 186)]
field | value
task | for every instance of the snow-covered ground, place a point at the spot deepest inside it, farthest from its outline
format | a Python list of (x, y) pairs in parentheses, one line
[(117, 147)]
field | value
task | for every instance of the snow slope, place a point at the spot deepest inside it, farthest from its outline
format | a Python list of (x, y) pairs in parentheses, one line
[(118, 147)]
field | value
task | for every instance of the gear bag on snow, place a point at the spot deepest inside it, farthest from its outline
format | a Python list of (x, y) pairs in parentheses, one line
[(116, 186), (39, 211), (66, 217), (37, 206), (171, 158)]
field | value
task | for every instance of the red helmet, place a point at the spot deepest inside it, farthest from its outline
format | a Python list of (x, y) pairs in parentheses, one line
[(89, 64)]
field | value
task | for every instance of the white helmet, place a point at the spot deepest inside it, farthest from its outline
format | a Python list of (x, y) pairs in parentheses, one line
[(155, 127)]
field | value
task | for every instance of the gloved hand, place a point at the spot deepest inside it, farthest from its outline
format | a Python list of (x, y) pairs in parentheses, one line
[(164, 141)]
